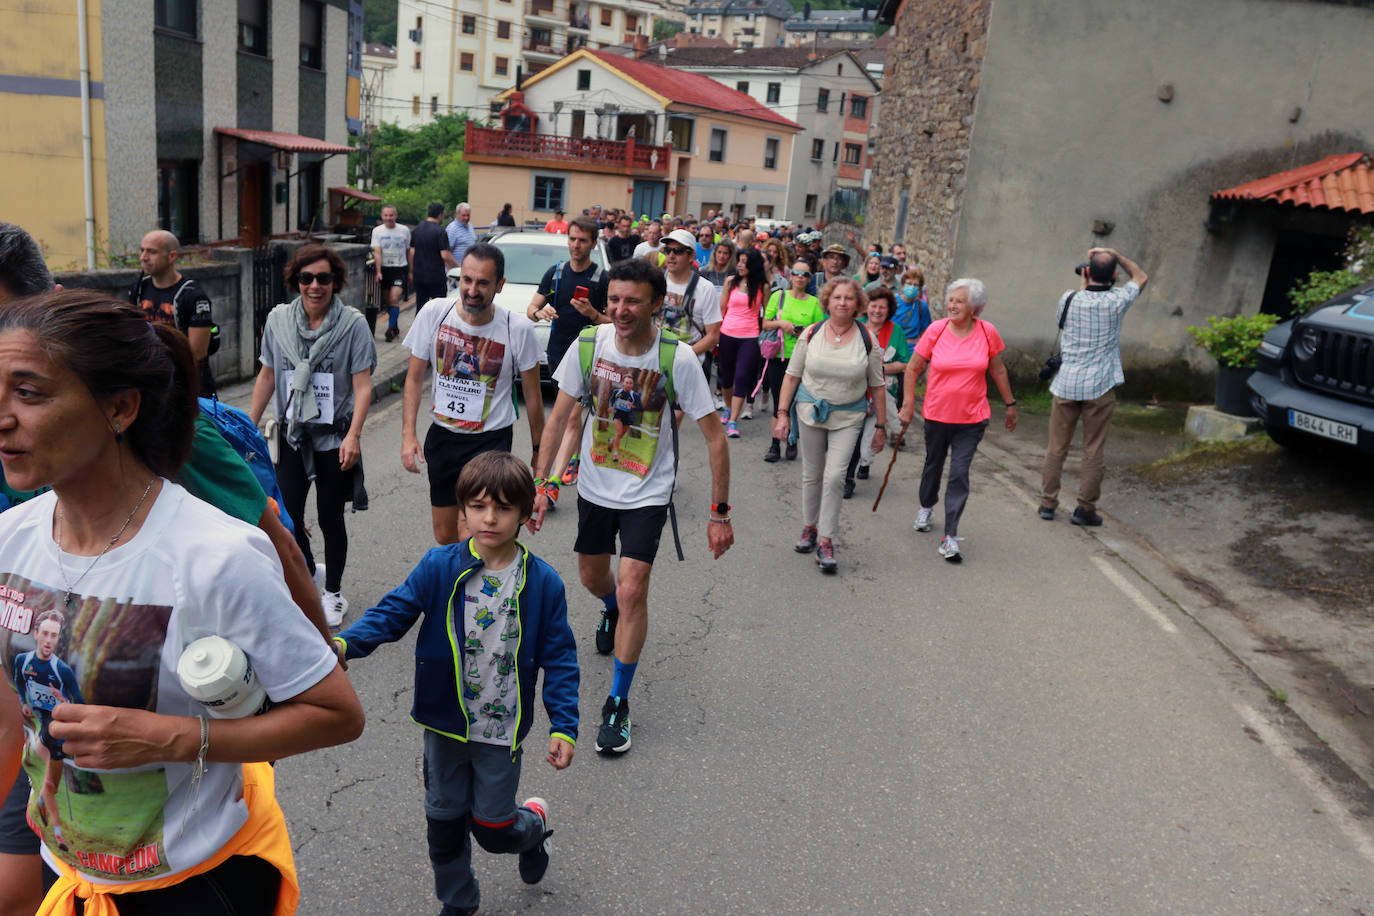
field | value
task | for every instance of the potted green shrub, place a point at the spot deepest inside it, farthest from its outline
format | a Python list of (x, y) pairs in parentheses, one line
[(1233, 343)]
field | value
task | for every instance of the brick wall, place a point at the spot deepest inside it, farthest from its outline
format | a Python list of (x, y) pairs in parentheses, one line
[(929, 98)]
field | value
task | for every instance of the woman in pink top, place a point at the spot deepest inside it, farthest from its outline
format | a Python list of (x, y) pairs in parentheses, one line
[(741, 300), (961, 350)]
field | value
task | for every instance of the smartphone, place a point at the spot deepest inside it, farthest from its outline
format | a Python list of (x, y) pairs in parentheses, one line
[(581, 293)]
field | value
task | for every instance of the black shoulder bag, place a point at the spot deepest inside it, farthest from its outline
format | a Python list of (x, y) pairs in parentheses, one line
[(1055, 361)]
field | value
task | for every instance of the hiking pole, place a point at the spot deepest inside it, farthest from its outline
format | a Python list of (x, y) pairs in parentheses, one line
[(895, 444)]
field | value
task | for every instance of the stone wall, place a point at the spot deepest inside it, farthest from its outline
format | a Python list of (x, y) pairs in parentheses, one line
[(929, 100), (229, 284)]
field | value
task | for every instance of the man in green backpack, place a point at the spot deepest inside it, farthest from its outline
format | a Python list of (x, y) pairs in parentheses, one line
[(629, 464)]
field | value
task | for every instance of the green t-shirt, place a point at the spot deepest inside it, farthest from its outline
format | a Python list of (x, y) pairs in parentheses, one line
[(213, 472), (898, 350), (217, 474), (802, 312)]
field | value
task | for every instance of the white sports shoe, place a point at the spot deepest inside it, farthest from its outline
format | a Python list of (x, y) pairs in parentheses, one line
[(319, 576), (747, 411), (949, 549), (923, 517), (335, 607)]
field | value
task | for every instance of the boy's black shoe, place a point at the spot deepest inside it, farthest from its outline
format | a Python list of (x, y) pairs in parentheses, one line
[(1086, 517), (534, 862), (456, 911), (862, 473), (605, 631), (614, 734)]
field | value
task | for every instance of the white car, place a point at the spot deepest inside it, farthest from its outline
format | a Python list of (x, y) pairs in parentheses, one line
[(529, 254)]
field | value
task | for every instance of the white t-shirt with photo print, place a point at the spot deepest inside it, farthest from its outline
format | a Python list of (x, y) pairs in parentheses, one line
[(705, 309), (474, 365), (190, 571), (630, 465)]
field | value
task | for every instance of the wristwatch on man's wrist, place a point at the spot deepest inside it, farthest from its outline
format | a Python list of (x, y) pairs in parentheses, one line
[(720, 508)]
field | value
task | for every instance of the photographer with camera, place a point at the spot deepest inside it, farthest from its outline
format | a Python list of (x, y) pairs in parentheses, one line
[(1089, 319)]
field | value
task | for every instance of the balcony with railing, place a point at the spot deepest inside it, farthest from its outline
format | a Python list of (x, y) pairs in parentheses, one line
[(620, 156), (544, 11)]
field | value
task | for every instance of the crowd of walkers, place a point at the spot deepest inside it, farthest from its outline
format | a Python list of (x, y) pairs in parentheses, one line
[(145, 566)]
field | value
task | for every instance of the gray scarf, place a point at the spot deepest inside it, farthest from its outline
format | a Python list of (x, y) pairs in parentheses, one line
[(307, 347)]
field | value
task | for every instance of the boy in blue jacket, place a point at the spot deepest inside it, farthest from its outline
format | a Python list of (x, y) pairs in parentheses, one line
[(493, 615)]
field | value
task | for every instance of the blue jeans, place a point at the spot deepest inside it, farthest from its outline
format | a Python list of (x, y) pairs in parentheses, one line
[(470, 792)]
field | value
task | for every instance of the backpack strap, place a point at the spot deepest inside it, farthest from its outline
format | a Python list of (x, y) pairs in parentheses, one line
[(667, 353), (557, 276), (687, 296), (864, 335)]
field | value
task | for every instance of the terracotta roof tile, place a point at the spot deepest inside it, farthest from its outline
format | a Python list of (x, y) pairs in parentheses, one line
[(692, 89), (1335, 183), (292, 143)]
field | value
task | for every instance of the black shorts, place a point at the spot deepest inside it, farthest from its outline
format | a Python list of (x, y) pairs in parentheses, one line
[(16, 837), (640, 530), (395, 276), (447, 453)]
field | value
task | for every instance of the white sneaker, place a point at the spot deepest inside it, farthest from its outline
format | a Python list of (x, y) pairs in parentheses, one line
[(923, 517), (949, 549), (747, 411), (719, 401), (319, 576), (335, 607)]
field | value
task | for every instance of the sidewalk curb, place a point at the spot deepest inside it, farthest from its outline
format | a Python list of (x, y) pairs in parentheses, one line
[(1221, 618)]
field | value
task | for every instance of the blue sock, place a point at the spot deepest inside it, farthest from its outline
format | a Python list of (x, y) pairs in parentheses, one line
[(620, 681), (393, 314), (610, 602)]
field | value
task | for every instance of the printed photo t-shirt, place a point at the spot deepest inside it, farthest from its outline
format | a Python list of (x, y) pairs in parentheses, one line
[(490, 639), (627, 450), (190, 571), (395, 244), (473, 373)]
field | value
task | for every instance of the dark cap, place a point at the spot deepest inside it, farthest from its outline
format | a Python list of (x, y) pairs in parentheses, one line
[(889, 262)]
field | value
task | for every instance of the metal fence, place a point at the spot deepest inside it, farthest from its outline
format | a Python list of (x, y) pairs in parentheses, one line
[(269, 287)]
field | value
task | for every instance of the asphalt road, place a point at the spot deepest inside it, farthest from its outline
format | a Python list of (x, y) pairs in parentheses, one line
[(1037, 730)]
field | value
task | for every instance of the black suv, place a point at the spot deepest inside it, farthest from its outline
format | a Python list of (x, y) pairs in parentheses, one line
[(1315, 380)]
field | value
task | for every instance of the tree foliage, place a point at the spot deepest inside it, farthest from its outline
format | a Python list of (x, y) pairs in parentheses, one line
[(1321, 285), (411, 168), (379, 21)]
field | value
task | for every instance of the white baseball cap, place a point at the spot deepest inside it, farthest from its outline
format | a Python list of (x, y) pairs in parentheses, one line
[(683, 238)]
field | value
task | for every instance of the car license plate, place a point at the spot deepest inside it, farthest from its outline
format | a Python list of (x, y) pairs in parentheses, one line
[(1320, 426)]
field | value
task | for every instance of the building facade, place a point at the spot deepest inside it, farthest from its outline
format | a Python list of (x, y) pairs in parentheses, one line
[(830, 95), (741, 23), (457, 56), (598, 128), (1033, 131), (817, 27), (213, 120)]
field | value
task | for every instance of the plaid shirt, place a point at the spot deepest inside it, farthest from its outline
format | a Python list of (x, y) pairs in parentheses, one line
[(1091, 342)]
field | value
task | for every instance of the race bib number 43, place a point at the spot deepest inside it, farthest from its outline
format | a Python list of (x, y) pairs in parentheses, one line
[(459, 398)]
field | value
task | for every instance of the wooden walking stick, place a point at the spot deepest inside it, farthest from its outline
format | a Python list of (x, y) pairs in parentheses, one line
[(895, 443)]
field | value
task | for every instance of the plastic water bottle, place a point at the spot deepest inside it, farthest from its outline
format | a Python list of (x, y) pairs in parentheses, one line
[(216, 672)]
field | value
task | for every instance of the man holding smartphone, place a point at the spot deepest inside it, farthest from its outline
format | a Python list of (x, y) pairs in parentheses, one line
[(572, 294)]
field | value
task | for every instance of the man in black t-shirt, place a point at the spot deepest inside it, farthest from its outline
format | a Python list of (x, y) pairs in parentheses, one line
[(430, 257), (621, 246), (169, 298), (556, 300)]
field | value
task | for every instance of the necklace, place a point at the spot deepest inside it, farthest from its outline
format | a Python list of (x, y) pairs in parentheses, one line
[(71, 585), (838, 336)]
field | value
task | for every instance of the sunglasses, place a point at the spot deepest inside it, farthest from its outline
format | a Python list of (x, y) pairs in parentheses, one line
[(801, 273), (305, 278), (673, 249)]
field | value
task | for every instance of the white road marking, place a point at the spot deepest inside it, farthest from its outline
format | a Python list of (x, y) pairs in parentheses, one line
[(1018, 491), (1130, 591), (1288, 755)]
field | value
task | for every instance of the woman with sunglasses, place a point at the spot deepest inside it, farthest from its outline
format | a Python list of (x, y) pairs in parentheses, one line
[(317, 361), (791, 311), (872, 269)]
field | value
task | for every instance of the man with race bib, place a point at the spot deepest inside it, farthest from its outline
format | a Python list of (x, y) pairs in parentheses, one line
[(477, 351)]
